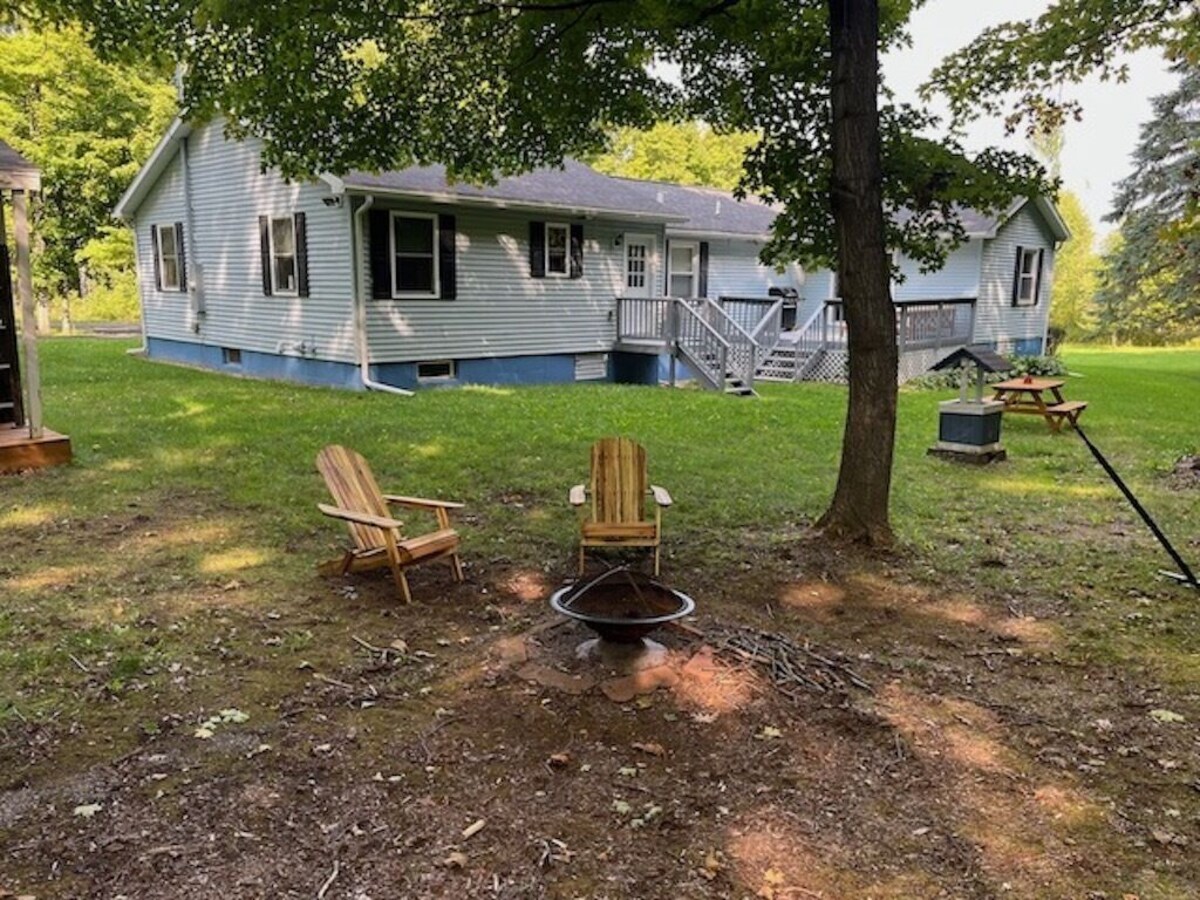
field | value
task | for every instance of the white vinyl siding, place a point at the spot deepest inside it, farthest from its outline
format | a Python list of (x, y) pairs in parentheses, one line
[(734, 270), (957, 279), (997, 321), (228, 194), (499, 311)]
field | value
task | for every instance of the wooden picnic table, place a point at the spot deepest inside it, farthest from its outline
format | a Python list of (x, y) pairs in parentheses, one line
[(1028, 397)]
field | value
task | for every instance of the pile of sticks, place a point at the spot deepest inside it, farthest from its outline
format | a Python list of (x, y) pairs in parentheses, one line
[(792, 667)]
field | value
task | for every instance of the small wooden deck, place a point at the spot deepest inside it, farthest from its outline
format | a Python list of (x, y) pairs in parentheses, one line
[(19, 452)]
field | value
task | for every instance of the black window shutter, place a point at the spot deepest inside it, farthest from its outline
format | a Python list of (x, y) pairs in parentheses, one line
[(577, 250), (447, 261), (1037, 279), (666, 268), (380, 252), (1016, 290), (537, 249), (301, 226), (264, 249), (702, 290), (181, 250), (157, 261)]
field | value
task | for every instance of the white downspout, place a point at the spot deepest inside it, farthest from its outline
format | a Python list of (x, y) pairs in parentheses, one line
[(195, 270), (360, 308)]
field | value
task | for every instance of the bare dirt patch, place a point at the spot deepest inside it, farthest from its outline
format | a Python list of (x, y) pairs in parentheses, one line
[(376, 736)]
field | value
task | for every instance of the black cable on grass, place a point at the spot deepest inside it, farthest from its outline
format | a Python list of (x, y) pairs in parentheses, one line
[(1187, 577)]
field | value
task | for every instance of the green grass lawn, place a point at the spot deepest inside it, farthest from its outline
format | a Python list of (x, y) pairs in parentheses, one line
[(183, 538)]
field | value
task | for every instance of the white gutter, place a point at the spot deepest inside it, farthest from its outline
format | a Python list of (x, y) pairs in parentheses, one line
[(360, 305)]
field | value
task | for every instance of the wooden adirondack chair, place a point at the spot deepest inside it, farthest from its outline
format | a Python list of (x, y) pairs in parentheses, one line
[(619, 490), (378, 538)]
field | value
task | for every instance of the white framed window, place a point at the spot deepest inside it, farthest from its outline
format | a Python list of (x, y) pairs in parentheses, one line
[(169, 269), (1027, 277), (436, 370), (414, 250), (284, 278), (683, 269), (558, 245)]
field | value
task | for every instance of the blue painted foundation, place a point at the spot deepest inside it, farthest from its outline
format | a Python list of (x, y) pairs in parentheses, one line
[(549, 369), (253, 364), (1027, 346)]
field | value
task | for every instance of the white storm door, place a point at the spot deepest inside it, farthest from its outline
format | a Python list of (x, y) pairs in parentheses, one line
[(683, 269)]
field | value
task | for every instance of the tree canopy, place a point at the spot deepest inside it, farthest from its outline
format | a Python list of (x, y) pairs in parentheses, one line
[(502, 87), (1151, 277), (679, 152), (1017, 69), (88, 124)]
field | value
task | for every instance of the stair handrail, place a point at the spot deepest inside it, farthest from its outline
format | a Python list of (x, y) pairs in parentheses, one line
[(713, 371), (742, 348), (767, 338)]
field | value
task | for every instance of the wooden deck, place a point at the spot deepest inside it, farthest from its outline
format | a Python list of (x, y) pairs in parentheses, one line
[(19, 452)]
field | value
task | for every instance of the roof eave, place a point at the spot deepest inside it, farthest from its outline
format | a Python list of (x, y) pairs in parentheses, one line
[(450, 198), (724, 235)]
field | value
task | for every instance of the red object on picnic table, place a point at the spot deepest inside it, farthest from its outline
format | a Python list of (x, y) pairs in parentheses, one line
[(1029, 379)]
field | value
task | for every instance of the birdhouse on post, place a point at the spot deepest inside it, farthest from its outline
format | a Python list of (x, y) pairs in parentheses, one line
[(969, 427)]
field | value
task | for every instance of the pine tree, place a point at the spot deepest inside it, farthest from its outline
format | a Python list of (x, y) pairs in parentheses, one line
[(1150, 289)]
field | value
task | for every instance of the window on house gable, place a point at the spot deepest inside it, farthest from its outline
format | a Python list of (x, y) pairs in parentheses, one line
[(414, 255), (169, 269), (1028, 273), (283, 256), (558, 241)]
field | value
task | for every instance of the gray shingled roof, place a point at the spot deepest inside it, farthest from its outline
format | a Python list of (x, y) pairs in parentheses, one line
[(573, 187), (708, 210), (12, 162), (577, 187)]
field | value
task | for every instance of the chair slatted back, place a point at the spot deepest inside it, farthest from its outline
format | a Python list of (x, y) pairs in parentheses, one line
[(353, 487), (619, 481)]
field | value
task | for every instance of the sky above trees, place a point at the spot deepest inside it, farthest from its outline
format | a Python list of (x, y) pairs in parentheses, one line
[(1097, 152)]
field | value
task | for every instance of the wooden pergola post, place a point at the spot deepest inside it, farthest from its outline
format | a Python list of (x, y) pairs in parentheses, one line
[(33, 380), (25, 443)]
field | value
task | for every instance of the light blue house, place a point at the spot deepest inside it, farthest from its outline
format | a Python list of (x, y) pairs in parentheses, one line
[(399, 280)]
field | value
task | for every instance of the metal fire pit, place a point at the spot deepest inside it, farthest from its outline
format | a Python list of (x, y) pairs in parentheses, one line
[(622, 606)]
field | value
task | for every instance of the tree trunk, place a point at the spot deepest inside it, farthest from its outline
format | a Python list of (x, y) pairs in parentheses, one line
[(859, 510)]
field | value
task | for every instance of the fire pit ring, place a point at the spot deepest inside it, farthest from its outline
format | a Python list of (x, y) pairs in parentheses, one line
[(622, 606)]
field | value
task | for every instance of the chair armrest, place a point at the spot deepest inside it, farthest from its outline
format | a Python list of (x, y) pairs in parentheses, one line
[(577, 496), (661, 497), (420, 502), (360, 518)]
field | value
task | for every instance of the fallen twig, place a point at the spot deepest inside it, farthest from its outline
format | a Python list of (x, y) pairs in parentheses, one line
[(329, 881), (788, 664), (333, 681)]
